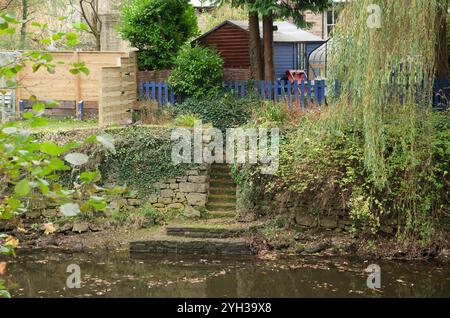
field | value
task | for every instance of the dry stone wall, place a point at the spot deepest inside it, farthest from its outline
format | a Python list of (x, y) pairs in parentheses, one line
[(307, 212), (188, 193)]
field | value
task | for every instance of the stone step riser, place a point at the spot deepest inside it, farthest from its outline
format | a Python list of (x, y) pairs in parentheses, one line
[(221, 207), (203, 247), (216, 184), (217, 201), (222, 215), (203, 233)]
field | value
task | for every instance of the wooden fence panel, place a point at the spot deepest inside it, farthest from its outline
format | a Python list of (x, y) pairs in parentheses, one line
[(118, 92), (65, 87)]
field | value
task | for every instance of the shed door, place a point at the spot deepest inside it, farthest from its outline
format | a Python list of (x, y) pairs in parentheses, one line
[(285, 58)]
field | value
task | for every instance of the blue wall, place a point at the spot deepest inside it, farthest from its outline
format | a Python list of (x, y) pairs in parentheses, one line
[(285, 57)]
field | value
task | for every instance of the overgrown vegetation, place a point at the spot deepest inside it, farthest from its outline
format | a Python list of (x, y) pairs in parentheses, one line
[(197, 73), (142, 158), (222, 112), (378, 151), (209, 20), (158, 28), (30, 169)]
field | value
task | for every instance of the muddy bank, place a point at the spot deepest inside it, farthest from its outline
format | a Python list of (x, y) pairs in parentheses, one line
[(98, 237)]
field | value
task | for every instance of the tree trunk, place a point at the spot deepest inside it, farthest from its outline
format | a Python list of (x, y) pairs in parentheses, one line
[(269, 72), (441, 44), (98, 42), (23, 28), (255, 48)]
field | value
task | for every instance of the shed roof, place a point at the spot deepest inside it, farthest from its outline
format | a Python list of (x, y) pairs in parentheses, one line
[(287, 32)]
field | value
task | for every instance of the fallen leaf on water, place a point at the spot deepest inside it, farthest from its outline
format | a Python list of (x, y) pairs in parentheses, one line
[(22, 230), (11, 241), (48, 228), (2, 268)]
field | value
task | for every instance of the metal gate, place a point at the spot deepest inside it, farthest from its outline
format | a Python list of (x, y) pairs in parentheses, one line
[(7, 95)]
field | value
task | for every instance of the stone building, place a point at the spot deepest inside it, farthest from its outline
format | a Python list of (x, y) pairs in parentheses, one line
[(109, 14)]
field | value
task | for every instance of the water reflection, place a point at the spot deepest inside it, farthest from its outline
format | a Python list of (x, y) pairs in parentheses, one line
[(119, 275)]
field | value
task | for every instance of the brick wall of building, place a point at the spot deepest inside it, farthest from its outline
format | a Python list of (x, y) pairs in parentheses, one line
[(230, 74), (236, 74), (317, 21)]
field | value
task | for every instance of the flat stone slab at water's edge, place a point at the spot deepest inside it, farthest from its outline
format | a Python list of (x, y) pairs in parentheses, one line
[(199, 232), (182, 245)]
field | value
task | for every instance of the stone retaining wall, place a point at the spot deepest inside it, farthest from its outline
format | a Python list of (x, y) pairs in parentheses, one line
[(308, 213), (188, 193), (193, 246)]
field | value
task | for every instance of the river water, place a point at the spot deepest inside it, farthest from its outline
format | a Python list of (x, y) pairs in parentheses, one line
[(42, 274)]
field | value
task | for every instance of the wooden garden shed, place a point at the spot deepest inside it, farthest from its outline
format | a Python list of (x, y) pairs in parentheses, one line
[(291, 45)]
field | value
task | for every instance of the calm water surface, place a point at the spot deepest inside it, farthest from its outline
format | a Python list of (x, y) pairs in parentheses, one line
[(121, 275)]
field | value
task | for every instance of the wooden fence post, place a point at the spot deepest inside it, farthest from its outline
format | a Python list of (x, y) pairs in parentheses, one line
[(21, 105), (77, 82), (80, 110)]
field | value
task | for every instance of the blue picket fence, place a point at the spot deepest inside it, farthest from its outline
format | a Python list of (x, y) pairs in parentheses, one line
[(157, 92), (304, 93), (297, 93), (439, 94)]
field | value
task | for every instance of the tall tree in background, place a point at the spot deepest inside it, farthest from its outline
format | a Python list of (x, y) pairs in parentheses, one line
[(269, 67), (270, 10), (255, 45), (90, 14), (442, 40), (23, 28), (288, 9), (256, 51), (158, 28)]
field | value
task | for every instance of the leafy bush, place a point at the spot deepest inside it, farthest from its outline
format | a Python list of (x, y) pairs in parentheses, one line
[(186, 120), (30, 169), (198, 72), (142, 158), (224, 112), (158, 28)]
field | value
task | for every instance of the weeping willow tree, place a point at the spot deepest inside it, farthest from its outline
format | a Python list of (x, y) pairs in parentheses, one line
[(373, 147), (384, 64)]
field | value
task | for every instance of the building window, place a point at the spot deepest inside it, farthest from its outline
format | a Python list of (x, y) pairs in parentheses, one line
[(331, 19)]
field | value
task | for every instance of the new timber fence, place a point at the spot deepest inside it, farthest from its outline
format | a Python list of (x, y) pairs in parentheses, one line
[(108, 92)]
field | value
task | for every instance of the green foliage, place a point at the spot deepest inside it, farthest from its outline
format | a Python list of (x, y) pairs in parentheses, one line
[(282, 9), (396, 137), (158, 28), (144, 217), (211, 19), (448, 38), (30, 169), (198, 72), (186, 120), (223, 112), (142, 158)]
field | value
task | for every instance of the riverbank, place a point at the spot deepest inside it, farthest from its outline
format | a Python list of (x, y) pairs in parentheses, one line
[(266, 239)]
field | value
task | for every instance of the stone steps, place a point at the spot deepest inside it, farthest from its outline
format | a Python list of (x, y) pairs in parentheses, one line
[(223, 206), (222, 192), (203, 232), (222, 214), (219, 198), (222, 183), (166, 244)]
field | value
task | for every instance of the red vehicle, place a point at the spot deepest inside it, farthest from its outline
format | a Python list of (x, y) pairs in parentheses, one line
[(299, 76)]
